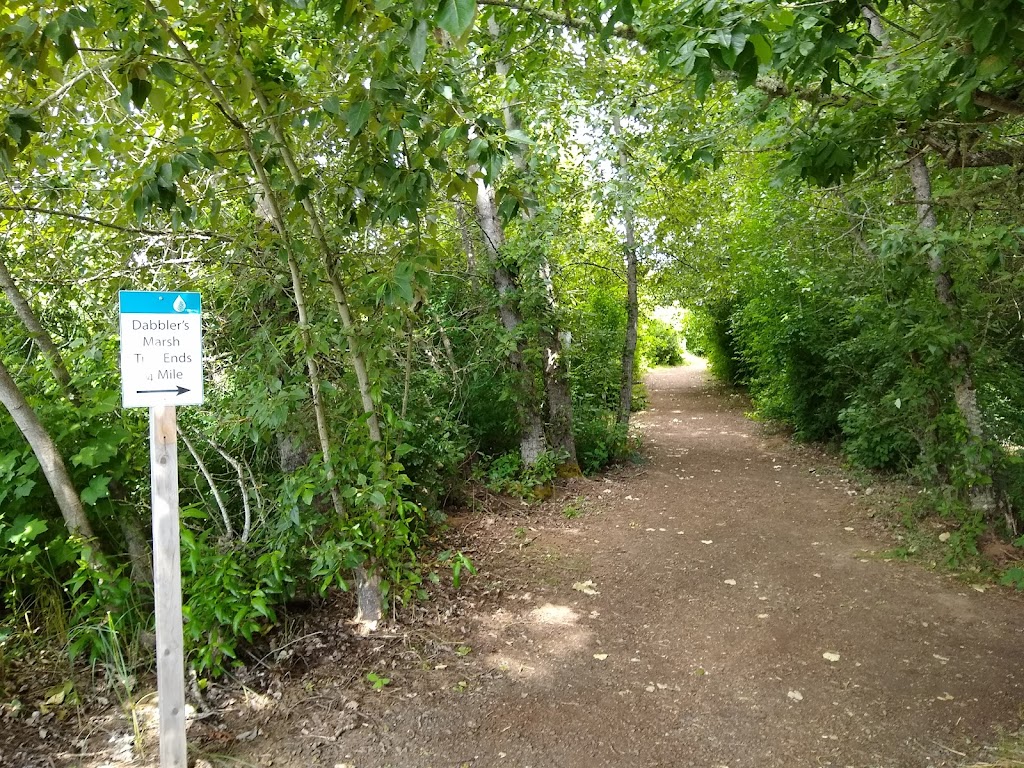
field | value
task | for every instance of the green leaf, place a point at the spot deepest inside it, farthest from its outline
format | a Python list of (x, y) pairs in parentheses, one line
[(24, 488), (519, 137), (332, 106), (140, 91), (456, 16), (25, 529), (762, 48), (162, 70), (357, 115), (24, 26), (418, 45), (66, 47), (96, 490), (982, 34)]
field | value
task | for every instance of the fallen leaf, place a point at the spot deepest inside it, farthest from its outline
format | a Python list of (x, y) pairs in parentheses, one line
[(795, 695), (944, 697), (830, 656), (600, 656), (586, 587)]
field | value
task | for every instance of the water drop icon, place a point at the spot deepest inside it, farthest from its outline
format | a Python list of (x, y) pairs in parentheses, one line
[(179, 304)]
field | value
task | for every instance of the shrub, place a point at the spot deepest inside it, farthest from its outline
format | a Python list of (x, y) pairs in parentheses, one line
[(660, 343)]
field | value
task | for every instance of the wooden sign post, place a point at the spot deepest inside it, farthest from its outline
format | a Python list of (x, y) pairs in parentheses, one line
[(161, 351), (170, 650)]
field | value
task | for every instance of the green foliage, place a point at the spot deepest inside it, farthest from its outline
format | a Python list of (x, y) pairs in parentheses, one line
[(600, 439), (458, 562), (377, 682), (660, 343), (509, 475)]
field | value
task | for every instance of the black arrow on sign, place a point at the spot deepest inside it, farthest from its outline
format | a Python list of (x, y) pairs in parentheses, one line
[(180, 390)]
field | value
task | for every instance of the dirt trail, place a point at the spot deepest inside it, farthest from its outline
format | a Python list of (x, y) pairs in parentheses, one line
[(726, 567)]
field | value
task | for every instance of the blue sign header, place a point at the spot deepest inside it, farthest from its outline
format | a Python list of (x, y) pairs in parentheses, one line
[(159, 303)]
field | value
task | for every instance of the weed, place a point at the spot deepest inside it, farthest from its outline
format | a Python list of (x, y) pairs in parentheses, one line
[(575, 509), (459, 562), (378, 682)]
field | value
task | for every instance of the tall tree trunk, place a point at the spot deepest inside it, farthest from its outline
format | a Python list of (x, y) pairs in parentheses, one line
[(532, 440), (960, 363), (370, 609), (35, 329), (632, 302), (556, 374), (46, 453)]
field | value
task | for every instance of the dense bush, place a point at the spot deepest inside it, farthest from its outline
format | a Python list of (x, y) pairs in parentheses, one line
[(660, 343)]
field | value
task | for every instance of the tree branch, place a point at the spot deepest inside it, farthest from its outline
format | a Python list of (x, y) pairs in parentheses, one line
[(108, 224), (998, 103)]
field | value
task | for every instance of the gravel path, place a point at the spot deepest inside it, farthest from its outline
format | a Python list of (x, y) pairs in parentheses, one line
[(721, 605)]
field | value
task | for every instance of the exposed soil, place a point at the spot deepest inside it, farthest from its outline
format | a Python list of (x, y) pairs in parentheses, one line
[(726, 603)]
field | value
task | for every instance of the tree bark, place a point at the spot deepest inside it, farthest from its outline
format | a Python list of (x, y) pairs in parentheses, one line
[(632, 301), (35, 329), (138, 550), (467, 246), (556, 376), (965, 394), (532, 440), (45, 450), (370, 610)]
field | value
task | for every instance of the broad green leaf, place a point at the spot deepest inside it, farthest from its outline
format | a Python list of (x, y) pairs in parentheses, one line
[(140, 91), (357, 115), (418, 45), (519, 137), (762, 48), (456, 16), (332, 106), (163, 70)]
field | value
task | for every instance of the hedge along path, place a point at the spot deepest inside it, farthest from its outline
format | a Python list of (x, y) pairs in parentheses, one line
[(718, 606)]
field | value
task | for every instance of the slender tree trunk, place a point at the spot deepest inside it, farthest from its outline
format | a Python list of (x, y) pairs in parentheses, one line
[(370, 609), (35, 329), (370, 601), (467, 246), (46, 453), (229, 531), (960, 362), (556, 375), (138, 549), (632, 302), (330, 260), (532, 440)]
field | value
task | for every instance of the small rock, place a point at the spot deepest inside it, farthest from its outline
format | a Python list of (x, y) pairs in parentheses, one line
[(795, 695)]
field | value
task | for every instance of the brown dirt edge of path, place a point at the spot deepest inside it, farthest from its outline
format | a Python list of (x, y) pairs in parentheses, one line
[(723, 604)]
